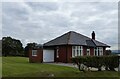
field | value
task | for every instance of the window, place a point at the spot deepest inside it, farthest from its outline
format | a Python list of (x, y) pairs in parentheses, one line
[(101, 50), (77, 51), (73, 51), (88, 52), (34, 52), (57, 53), (95, 51), (98, 51)]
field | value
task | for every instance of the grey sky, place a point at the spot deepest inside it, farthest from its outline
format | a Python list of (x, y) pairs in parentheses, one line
[(42, 21)]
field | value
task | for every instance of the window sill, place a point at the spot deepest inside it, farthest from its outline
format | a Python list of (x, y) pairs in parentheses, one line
[(34, 55)]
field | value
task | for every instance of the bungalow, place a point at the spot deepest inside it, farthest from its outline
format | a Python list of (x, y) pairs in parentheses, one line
[(63, 48)]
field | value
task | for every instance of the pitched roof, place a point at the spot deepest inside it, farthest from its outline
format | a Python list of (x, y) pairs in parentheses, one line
[(73, 38)]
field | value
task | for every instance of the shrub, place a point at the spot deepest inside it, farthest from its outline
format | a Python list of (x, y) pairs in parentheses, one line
[(110, 61)]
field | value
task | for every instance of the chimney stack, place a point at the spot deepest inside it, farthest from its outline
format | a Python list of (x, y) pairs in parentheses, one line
[(93, 35)]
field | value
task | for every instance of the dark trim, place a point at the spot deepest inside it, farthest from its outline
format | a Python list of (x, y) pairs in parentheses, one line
[(74, 45), (103, 46)]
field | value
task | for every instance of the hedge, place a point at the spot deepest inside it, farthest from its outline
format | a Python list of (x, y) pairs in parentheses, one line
[(110, 61)]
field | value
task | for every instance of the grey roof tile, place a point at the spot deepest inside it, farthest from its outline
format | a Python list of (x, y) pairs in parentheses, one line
[(97, 43), (73, 38), (90, 43)]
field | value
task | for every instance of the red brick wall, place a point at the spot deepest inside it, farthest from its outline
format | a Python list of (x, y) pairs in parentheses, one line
[(91, 51), (104, 48), (38, 58), (69, 53), (62, 54), (84, 50), (65, 54)]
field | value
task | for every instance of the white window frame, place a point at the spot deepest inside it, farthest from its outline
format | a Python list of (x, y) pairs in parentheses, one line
[(77, 51), (95, 51), (88, 51), (57, 53), (73, 51), (99, 51), (34, 52)]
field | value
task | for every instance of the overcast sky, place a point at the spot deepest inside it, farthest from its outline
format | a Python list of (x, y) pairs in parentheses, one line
[(42, 21)]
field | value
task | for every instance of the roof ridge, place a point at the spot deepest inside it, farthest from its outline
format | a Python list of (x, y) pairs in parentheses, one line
[(93, 42), (69, 35)]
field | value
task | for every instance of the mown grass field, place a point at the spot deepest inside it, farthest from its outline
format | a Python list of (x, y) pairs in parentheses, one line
[(20, 67)]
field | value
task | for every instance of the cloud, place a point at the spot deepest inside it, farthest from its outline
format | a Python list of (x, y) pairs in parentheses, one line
[(43, 6), (43, 21)]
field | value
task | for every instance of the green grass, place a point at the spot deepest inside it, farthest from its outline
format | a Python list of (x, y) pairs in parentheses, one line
[(20, 67), (0, 66)]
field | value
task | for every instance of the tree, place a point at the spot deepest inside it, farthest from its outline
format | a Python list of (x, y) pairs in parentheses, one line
[(11, 46), (28, 47)]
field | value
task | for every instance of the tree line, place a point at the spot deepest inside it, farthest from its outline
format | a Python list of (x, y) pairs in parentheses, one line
[(14, 47)]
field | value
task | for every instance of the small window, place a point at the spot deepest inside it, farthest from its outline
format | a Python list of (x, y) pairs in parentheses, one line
[(34, 52), (57, 53), (88, 52)]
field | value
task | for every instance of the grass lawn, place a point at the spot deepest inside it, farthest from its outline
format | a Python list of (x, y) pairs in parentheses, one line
[(20, 67)]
